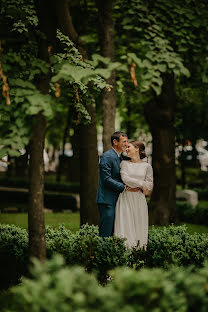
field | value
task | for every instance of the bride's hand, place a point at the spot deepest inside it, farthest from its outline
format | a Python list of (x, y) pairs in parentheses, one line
[(145, 190), (132, 189)]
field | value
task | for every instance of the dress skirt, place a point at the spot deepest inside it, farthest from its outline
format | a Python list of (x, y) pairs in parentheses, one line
[(131, 220)]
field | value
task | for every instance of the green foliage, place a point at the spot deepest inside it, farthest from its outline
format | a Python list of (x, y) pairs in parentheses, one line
[(14, 240), (64, 289), (24, 69), (167, 246), (72, 289), (160, 42), (196, 215), (48, 185), (98, 255), (162, 37), (13, 254), (86, 248), (173, 245), (191, 108)]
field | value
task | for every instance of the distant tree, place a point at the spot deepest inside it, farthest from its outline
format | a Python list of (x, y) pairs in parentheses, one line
[(39, 63), (165, 46)]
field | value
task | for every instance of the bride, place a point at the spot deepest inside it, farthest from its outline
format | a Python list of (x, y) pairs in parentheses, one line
[(131, 220)]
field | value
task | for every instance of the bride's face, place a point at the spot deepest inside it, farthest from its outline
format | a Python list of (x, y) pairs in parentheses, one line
[(131, 151)]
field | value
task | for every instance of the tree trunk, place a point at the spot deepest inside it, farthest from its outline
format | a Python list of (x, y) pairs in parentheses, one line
[(106, 33), (88, 136), (36, 223), (160, 116), (89, 171), (47, 25)]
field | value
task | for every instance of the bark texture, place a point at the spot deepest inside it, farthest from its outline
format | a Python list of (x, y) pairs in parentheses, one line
[(160, 116), (106, 34), (47, 25), (89, 171), (36, 222)]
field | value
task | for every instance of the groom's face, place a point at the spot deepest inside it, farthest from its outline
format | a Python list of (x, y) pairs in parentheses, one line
[(122, 144)]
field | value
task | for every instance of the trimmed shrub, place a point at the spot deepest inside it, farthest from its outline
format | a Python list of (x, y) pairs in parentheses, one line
[(13, 254), (173, 245), (167, 246), (55, 201), (55, 287), (86, 248), (49, 185), (196, 215), (202, 193)]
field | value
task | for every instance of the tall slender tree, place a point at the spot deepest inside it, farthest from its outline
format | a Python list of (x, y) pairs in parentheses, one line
[(88, 133), (160, 114), (165, 50), (48, 26)]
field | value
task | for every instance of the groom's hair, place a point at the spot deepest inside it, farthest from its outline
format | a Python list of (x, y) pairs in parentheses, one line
[(116, 136)]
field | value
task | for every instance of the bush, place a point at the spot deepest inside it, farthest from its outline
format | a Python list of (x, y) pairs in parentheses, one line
[(72, 289), (55, 201), (85, 248), (166, 246), (173, 245), (185, 212), (49, 185), (13, 254), (196, 215), (202, 193)]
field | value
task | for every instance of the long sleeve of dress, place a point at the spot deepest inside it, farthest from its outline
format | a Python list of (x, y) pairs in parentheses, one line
[(148, 182), (132, 182)]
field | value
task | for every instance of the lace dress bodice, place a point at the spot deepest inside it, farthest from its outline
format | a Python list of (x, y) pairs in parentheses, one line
[(137, 174)]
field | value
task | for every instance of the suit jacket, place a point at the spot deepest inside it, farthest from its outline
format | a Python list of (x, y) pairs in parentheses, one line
[(110, 183)]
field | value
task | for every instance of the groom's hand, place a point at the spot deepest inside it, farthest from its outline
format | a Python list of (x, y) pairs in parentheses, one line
[(134, 189)]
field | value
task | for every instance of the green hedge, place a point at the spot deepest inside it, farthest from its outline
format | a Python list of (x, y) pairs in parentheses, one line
[(167, 246), (49, 186), (202, 193), (55, 287), (196, 215), (55, 201)]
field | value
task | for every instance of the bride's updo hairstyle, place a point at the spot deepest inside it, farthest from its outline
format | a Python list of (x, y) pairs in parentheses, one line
[(141, 148)]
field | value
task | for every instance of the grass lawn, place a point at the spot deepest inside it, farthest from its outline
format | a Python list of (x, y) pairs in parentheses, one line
[(192, 228), (72, 221)]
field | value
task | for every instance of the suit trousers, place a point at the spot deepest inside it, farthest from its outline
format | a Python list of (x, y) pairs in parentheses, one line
[(107, 216)]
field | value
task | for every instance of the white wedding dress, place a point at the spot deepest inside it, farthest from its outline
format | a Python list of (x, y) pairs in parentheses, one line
[(131, 219)]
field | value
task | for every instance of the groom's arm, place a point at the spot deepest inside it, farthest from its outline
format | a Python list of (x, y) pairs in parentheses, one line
[(105, 171)]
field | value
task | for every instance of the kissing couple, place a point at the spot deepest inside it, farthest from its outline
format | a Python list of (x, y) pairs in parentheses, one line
[(123, 185)]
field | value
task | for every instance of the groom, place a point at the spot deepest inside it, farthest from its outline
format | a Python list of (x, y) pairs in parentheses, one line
[(110, 183)]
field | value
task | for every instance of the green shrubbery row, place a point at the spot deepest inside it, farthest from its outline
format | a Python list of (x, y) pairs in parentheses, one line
[(166, 246), (49, 185), (189, 214), (55, 201), (55, 287)]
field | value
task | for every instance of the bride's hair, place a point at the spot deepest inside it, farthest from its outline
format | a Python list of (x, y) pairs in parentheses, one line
[(141, 148)]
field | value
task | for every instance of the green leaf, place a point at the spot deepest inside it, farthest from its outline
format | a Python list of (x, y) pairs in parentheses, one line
[(156, 88), (162, 67), (3, 152)]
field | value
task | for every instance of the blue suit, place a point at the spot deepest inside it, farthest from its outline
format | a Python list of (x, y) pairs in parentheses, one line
[(110, 186)]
